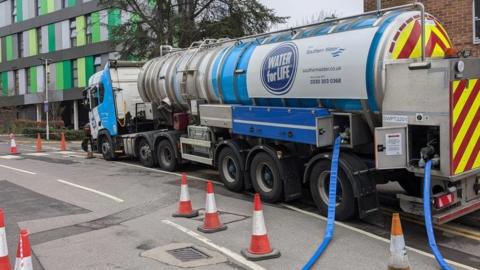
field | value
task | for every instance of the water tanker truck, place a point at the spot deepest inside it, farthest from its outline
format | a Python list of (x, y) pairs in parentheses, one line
[(265, 109)]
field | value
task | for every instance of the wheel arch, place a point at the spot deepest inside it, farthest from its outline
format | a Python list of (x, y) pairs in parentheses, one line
[(239, 146), (172, 138)]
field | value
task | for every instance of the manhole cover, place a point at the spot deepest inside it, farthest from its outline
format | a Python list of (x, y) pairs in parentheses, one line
[(188, 254), (185, 255)]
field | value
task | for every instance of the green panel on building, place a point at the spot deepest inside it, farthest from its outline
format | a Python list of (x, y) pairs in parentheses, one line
[(50, 6), (71, 3), (82, 81), (33, 43), (33, 80), (81, 31), (96, 36), (5, 83), (9, 47), (43, 6), (51, 38), (114, 19), (89, 67), (19, 10), (67, 74), (59, 84)]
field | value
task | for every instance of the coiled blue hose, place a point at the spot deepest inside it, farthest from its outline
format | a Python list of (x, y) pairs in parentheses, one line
[(332, 196), (428, 218)]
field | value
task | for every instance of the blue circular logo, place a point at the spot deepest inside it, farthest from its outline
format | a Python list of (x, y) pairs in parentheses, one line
[(279, 68)]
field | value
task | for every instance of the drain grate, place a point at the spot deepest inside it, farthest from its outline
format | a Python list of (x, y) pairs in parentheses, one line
[(188, 254)]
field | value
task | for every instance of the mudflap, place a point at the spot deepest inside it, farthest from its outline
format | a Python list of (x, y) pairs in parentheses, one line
[(292, 179), (364, 186)]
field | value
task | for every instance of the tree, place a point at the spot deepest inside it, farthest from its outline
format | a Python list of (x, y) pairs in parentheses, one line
[(180, 22)]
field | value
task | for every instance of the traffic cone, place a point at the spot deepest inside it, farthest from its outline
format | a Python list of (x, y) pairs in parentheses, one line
[(63, 143), (24, 254), (398, 253), (38, 145), (185, 205), (211, 221), (260, 248), (89, 151), (4, 261), (13, 145)]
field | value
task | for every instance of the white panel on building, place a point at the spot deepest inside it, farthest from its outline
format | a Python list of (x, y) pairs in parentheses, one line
[(44, 39), (5, 13), (26, 42), (22, 82), (103, 25), (65, 25), (40, 79)]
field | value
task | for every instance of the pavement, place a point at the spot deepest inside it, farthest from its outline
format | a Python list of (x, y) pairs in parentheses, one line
[(94, 214)]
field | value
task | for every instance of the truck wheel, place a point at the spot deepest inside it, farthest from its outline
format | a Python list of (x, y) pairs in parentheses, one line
[(107, 149), (265, 176), (230, 170), (319, 188), (145, 153), (166, 156)]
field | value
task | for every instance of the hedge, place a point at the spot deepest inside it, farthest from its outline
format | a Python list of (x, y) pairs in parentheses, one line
[(55, 134)]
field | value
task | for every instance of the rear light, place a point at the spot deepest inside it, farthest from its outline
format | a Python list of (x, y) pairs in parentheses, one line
[(444, 200), (451, 53)]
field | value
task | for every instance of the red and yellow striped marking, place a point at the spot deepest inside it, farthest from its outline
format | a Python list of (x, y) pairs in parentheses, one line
[(407, 42), (465, 125)]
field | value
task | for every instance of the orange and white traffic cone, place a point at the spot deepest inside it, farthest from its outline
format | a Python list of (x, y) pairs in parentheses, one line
[(4, 261), (13, 145), (185, 205), (398, 253), (24, 253), (38, 145), (211, 221), (63, 143), (260, 248)]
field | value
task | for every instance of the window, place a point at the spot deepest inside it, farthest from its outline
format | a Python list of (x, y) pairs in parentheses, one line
[(75, 72), (101, 92), (14, 11), (94, 97), (38, 11), (73, 32), (476, 21), (16, 84), (39, 39), (97, 63), (21, 50), (29, 83), (89, 28)]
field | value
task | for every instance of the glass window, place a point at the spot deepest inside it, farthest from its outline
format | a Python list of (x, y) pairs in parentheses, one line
[(21, 51), (73, 32), (16, 84), (97, 63), (14, 11), (101, 92), (75, 73), (39, 39), (476, 21), (94, 97), (29, 83), (89, 28)]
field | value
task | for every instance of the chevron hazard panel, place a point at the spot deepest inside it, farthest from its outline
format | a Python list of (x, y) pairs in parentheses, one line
[(465, 125)]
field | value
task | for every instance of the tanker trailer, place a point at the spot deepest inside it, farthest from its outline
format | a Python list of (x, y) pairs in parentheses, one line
[(265, 110)]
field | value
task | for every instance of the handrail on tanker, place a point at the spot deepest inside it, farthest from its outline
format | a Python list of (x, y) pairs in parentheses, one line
[(377, 12)]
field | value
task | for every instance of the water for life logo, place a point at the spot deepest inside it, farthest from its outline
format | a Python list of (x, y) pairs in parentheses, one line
[(279, 68)]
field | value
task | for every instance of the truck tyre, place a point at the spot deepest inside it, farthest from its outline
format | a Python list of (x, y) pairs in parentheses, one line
[(107, 149), (145, 154), (266, 179), (166, 156), (230, 170), (319, 188)]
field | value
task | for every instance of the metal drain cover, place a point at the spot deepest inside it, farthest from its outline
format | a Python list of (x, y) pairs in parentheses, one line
[(185, 255), (188, 254)]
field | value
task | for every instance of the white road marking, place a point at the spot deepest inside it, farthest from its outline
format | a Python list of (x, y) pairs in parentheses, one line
[(237, 257), (171, 173), (10, 157), (91, 190), (36, 154), (65, 152), (18, 170), (371, 235)]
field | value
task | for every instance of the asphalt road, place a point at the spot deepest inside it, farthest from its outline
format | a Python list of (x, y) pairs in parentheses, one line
[(94, 214)]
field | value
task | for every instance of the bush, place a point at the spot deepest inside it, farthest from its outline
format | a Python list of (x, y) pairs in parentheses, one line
[(55, 134), (19, 125)]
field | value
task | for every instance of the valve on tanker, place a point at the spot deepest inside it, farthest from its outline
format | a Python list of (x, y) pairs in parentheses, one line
[(428, 153)]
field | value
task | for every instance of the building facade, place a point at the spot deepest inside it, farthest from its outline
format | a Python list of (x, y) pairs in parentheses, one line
[(461, 19), (74, 35)]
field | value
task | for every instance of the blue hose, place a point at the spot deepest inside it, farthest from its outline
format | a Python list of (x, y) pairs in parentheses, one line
[(428, 218), (332, 196)]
